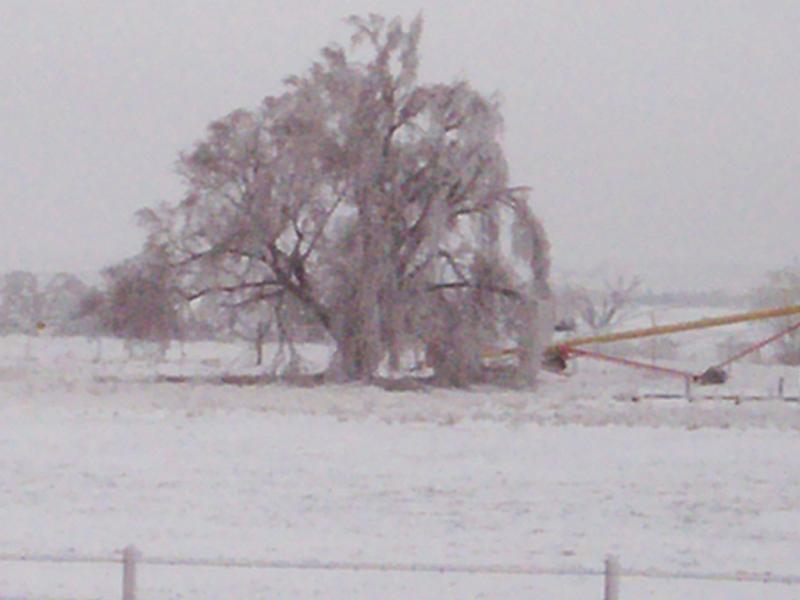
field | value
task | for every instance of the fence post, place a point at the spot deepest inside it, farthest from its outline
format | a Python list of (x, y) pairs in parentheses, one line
[(611, 579), (129, 556), (687, 388)]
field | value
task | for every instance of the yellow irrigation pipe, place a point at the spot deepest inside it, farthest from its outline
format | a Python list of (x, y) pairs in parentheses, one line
[(756, 315), (633, 334)]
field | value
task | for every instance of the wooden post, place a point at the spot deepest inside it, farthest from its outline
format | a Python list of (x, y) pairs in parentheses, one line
[(129, 556), (611, 579), (780, 388), (687, 389)]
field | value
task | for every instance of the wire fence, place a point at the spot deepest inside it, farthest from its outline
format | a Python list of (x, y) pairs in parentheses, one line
[(611, 573)]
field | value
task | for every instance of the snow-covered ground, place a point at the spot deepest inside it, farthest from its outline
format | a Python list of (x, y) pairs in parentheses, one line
[(98, 455)]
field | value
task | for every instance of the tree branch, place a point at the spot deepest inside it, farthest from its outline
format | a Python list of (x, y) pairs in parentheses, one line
[(507, 292), (230, 288)]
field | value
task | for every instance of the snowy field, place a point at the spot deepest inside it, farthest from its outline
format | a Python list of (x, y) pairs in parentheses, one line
[(99, 455)]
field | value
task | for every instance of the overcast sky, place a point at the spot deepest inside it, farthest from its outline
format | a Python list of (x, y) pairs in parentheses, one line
[(660, 137)]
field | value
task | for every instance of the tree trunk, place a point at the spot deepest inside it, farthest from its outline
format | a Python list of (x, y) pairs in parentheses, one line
[(533, 335), (259, 351), (453, 348), (357, 323), (358, 347), (261, 331)]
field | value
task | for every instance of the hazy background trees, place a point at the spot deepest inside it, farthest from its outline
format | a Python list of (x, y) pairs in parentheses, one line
[(782, 288), (372, 204), (21, 307), (597, 308), (31, 303)]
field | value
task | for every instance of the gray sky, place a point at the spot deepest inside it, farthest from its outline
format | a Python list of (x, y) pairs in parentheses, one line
[(661, 138)]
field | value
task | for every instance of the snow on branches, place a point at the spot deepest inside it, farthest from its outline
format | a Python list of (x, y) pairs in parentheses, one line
[(372, 204)]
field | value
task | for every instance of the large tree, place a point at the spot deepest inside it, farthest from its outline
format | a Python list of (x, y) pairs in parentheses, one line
[(373, 203)]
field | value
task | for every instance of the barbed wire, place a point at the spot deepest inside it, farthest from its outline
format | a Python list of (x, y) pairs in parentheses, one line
[(394, 567), (737, 577), (48, 598), (25, 597), (60, 558), (408, 567)]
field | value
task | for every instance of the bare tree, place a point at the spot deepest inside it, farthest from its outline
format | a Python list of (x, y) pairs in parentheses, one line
[(600, 309), (91, 319), (375, 204), (61, 301), (21, 305), (139, 303), (782, 289)]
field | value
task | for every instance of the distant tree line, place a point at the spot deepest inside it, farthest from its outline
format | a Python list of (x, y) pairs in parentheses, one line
[(782, 288), (135, 299), (31, 303)]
